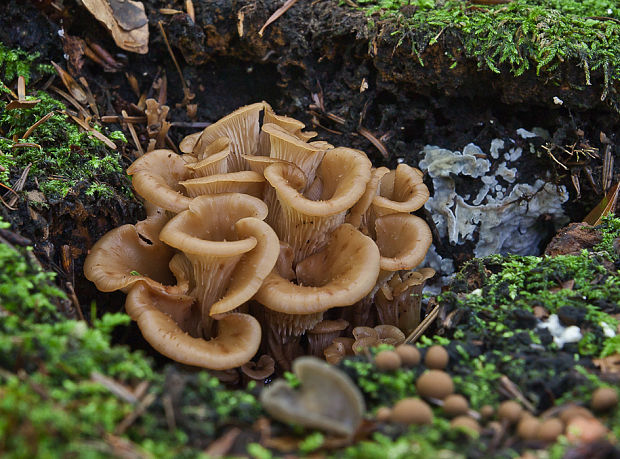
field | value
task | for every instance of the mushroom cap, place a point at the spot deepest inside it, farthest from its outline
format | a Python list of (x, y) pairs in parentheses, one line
[(341, 274), (409, 354), (346, 170), (466, 422), (604, 398), (328, 326), (305, 223), (246, 182), (261, 369), (358, 214), (455, 405), (156, 176), (131, 249), (288, 147), (403, 241), (213, 160), (327, 398), (435, 384), (237, 340), (510, 411), (241, 127), (210, 237), (189, 142), (388, 361), (550, 429), (400, 191), (436, 357), (412, 411)]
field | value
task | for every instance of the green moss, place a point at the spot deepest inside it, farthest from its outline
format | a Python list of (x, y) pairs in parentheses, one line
[(516, 36), (14, 63), (63, 155), (50, 405)]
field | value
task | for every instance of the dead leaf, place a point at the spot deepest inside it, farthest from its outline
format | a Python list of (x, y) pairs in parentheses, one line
[(126, 20), (72, 86), (603, 208)]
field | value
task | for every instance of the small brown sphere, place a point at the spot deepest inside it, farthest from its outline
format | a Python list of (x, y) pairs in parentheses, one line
[(387, 361), (585, 430), (528, 427), (550, 430), (487, 411), (409, 355), (603, 399), (494, 426), (383, 414), (455, 405), (435, 383), (412, 411), (467, 422), (436, 358), (574, 411), (509, 411)]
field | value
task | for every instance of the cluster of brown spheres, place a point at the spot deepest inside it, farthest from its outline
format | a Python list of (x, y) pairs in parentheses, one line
[(435, 385)]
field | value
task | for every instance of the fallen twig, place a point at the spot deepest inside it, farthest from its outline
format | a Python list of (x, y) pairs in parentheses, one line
[(274, 17)]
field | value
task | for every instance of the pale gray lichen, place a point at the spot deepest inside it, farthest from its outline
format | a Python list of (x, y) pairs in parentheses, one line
[(503, 216)]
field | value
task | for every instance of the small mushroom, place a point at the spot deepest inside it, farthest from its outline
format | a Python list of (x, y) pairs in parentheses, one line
[(409, 354), (260, 370), (326, 400), (509, 411), (246, 182), (604, 399), (323, 334), (550, 429), (466, 422), (435, 384), (412, 411), (455, 405), (387, 361), (436, 357), (156, 176), (338, 349)]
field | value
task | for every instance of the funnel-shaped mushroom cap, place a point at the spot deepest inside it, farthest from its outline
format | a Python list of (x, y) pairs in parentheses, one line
[(129, 254), (213, 160), (288, 147), (403, 241), (305, 223), (343, 273), (237, 340), (156, 177), (189, 142), (247, 182), (242, 128), (326, 400), (358, 213), (401, 190), (230, 253)]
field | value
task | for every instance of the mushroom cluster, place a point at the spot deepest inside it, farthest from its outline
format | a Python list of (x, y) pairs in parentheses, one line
[(254, 233)]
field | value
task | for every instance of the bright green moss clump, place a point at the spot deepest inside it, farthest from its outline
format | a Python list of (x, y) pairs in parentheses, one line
[(51, 403), (516, 36), (61, 155)]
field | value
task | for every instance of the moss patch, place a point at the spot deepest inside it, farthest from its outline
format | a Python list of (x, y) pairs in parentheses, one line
[(516, 36), (52, 403)]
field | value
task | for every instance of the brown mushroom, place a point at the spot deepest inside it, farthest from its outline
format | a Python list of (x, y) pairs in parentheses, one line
[(260, 370), (306, 224), (400, 191), (241, 127), (156, 176), (230, 253), (237, 340), (246, 182), (326, 400), (129, 254), (213, 160), (323, 334), (338, 349)]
